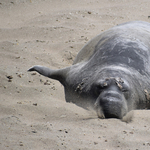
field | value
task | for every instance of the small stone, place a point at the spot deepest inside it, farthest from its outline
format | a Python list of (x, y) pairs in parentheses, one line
[(47, 82), (19, 75), (66, 131), (33, 74), (125, 132), (18, 57), (10, 77), (53, 88), (19, 102), (21, 144), (35, 104), (9, 80)]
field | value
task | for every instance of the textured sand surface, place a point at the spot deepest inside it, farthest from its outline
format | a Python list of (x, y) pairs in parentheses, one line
[(33, 111)]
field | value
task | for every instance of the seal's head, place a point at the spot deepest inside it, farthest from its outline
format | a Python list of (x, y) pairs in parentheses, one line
[(112, 100)]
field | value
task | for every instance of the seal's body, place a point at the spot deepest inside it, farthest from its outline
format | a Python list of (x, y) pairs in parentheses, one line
[(111, 72)]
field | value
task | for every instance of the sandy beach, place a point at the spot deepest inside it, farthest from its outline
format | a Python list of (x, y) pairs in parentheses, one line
[(33, 111)]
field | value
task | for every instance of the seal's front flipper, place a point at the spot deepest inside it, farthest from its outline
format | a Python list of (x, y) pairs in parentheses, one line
[(43, 71), (59, 74)]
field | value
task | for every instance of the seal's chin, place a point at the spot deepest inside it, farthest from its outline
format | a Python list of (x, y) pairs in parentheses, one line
[(111, 109), (106, 114)]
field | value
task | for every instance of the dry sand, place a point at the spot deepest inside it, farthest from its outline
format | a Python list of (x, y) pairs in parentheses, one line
[(33, 111)]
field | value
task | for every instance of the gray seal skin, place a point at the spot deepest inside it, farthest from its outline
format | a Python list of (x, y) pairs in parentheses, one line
[(111, 73)]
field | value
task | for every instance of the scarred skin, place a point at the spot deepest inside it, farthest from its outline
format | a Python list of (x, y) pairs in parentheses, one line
[(111, 73)]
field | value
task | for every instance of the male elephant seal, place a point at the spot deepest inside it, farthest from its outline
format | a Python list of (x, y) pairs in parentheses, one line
[(110, 73)]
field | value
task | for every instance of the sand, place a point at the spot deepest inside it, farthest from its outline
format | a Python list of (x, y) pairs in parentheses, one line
[(33, 111)]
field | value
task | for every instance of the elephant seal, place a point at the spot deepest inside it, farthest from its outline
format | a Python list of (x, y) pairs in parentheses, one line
[(111, 73)]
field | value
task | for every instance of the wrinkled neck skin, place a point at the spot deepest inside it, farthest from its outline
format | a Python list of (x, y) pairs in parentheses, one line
[(80, 85)]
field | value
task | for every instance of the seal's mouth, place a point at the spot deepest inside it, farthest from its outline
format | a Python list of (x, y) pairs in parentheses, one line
[(105, 113), (111, 107), (126, 118)]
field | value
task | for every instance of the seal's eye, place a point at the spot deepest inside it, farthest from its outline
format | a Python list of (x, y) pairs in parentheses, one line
[(125, 87), (122, 85), (125, 90)]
